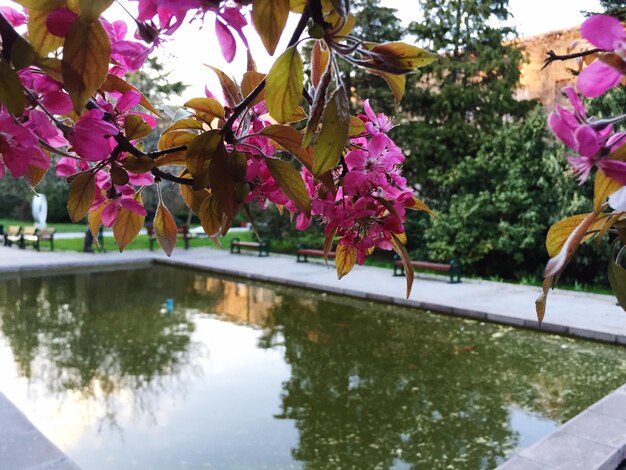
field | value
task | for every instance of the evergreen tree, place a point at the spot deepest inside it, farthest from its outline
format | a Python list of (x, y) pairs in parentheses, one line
[(466, 95)]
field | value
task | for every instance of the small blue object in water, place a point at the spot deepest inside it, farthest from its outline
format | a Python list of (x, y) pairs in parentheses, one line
[(169, 305)]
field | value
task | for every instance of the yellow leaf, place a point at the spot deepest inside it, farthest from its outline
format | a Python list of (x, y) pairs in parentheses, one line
[(206, 106), (400, 249), (421, 206), (94, 219), (42, 40), (231, 91), (45, 5), (34, 175), (165, 229), (172, 140), (82, 192), (115, 83), (319, 61), (251, 79), (357, 127), (290, 181), (11, 91), (397, 57), (193, 199), (284, 85), (51, 67), (200, 152), (557, 263), (211, 216), (269, 18), (290, 139), (135, 127), (85, 63), (297, 6), (92, 9), (185, 124), (603, 187), (119, 176), (127, 225), (334, 134), (560, 231), (397, 84), (345, 257)]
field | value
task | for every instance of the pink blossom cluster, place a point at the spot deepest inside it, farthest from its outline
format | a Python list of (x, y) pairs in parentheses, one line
[(171, 14), (594, 141), (372, 196)]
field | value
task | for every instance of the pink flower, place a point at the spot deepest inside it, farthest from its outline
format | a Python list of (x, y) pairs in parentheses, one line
[(125, 199), (91, 137), (13, 16), (606, 33), (375, 123), (19, 147)]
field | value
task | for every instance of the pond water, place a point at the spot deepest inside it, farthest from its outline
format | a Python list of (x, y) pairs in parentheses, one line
[(251, 376)]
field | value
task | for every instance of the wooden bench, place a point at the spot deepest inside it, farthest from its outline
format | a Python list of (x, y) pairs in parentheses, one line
[(454, 268), (46, 235), (302, 254), (30, 236), (182, 233), (13, 235), (262, 246)]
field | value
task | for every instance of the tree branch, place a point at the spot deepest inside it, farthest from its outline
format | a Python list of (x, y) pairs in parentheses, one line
[(164, 175), (552, 56), (227, 130)]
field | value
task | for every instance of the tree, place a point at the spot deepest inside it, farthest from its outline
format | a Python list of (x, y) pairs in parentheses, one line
[(63, 93), (465, 96)]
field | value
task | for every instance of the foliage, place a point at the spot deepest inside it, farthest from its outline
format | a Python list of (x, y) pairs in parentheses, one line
[(75, 67)]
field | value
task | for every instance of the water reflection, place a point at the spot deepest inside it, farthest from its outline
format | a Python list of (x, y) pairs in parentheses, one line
[(300, 380)]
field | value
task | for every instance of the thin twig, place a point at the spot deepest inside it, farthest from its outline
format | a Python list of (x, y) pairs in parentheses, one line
[(553, 56)]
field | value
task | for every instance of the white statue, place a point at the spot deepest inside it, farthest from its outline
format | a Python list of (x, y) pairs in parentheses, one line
[(40, 210)]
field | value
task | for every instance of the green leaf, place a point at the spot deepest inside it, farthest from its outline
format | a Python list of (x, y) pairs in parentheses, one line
[(135, 127), (85, 63), (11, 91), (334, 134), (199, 155), (165, 229), (92, 9), (82, 193), (22, 54), (269, 18), (290, 181), (283, 87)]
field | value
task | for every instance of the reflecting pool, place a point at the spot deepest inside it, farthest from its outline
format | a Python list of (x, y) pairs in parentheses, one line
[(244, 375)]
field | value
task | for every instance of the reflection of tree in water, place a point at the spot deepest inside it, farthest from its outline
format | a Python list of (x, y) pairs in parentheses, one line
[(101, 333), (368, 389)]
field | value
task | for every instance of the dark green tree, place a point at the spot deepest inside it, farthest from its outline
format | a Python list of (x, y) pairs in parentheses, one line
[(465, 96)]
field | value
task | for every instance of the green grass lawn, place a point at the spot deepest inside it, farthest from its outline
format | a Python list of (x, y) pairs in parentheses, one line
[(59, 227), (142, 242)]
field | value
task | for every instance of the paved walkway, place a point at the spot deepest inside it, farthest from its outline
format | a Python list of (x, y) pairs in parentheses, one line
[(596, 439)]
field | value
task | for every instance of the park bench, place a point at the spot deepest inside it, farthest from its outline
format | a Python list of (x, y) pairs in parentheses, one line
[(182, 233), (263, 247), (13, 235), (454, 268), (302, 254), (46, 235), (30, 236), (2, 232)]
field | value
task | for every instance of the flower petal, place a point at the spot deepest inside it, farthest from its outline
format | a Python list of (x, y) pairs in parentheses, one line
[(603, 31), (597, 78)]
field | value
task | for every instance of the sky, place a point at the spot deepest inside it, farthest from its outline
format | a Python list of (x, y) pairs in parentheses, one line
[(194, 46)]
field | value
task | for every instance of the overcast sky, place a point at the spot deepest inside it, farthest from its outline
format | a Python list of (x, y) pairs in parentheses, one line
[(193, 47)]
